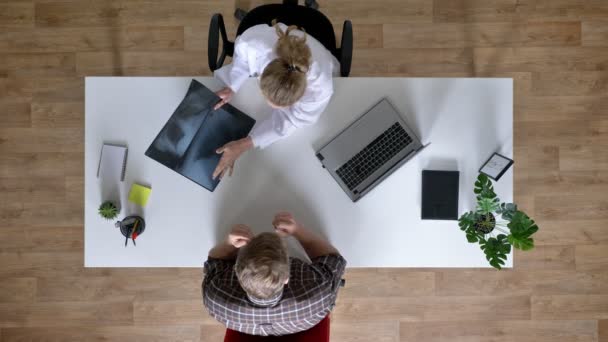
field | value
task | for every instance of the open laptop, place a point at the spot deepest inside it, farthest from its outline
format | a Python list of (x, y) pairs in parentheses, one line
[(369, 150)]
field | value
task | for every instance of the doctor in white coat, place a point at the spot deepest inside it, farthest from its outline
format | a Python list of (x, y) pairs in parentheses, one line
[(295, 72)]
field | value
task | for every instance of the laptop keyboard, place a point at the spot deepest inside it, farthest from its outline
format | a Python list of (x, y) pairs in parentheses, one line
[(373, 156)]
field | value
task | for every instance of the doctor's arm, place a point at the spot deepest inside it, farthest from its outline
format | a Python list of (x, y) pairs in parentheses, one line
[(234, 74)]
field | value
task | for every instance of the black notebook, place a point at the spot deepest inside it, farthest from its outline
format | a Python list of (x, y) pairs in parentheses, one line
[(440, 195), (188, 141)]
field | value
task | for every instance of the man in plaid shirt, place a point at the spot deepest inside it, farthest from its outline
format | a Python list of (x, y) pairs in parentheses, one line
[(252, 286)]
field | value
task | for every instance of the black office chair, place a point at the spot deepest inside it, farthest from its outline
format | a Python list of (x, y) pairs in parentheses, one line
[(289, 13)]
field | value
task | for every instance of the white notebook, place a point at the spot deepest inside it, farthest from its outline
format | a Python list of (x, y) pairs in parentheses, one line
[(112, 162)]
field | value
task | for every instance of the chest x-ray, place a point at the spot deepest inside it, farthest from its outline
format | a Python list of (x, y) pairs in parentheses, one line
[(188, 141)]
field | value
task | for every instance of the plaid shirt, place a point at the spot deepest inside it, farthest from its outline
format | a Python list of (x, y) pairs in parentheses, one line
[(307, 298)]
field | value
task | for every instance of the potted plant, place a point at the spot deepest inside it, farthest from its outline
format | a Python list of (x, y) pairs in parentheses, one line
[(108, 210), (496, 226)]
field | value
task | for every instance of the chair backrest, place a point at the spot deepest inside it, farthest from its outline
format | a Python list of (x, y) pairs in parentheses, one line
[(312, 21)]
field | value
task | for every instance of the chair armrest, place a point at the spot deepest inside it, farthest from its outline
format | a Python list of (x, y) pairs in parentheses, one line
[(346, 48), (217, 30)]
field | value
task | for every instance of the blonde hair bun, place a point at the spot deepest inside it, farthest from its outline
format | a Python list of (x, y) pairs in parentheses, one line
[(283, 81)]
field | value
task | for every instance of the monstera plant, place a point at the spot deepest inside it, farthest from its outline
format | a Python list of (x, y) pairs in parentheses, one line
[(496, 226)]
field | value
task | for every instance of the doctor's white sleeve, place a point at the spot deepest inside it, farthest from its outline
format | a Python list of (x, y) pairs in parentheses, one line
[(236, 73), (282, 122)]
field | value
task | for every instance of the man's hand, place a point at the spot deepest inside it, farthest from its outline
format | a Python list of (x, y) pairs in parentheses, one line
[(225, 95), (285, 224), (230, 153), (240, 235)]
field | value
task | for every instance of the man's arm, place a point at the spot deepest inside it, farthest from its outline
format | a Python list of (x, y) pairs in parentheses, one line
[(238, 237), (313, 244)]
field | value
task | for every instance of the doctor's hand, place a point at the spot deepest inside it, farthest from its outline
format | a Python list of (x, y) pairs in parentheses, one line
[(225, 95), (230, 153), (240, 235)]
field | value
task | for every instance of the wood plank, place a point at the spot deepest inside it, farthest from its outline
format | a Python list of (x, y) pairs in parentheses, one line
[(157, 312), (411, 62), (212, 332), (368, 12), (44, 89), (142, 64), (195, 36), (561, 133), (38, 65), (536, 157), (603, 330), (583, 158), (367, 329), (592, 257), (42, 214), (43, 189), (26, 140), (15, 114), (559, 182), (456, 35), (14, 290), (500, 331), (41, 164), (570, 83), (118, 287), (65, 314), (543, 108), (594, 33), (58, 114), (105, 333), (91, 13), (590, 206), (571, 307), (511, 10), (388, 282), (540, 59), (127, 38), (434, 308), (20, 238), (40, 264), (365, 36), (74, 188), (520, 282), (545, 258), (16, 14), (571, 232)]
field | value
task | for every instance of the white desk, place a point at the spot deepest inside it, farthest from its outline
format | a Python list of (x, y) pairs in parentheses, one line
[(464, 119)]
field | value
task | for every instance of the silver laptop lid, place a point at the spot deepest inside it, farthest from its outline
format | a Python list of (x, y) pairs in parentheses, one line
[(342, 154)]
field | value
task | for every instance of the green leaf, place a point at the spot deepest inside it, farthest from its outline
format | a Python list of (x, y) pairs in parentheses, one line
[(484, 188), (496, 250), (466, 222), (522, 228), (507, 210), (486, 206)]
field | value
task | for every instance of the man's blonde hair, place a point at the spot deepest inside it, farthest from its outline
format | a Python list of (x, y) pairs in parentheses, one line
[(283, 81), (262, 266)]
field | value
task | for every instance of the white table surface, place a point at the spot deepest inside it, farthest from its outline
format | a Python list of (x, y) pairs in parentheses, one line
[(466, 120)]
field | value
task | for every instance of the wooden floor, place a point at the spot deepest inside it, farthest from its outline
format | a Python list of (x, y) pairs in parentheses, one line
[(556, 51)]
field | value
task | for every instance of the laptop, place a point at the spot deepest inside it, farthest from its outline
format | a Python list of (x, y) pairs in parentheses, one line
[(188, 141), (369, 150)]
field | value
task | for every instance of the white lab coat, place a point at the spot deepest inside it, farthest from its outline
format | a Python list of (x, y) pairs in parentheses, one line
[(253, 51)]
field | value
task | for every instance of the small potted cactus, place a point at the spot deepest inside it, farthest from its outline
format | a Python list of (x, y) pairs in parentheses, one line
[(108, 210)]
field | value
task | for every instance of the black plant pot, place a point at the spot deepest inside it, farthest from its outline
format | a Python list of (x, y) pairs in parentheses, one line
[(485, 227)]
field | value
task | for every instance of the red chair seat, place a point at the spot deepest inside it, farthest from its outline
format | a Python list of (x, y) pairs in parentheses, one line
[(318, 333)]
